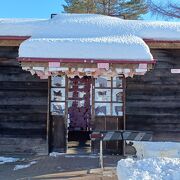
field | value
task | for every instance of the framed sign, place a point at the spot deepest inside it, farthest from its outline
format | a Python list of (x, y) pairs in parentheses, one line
[(58, 81), (58, 108), (57, 94)]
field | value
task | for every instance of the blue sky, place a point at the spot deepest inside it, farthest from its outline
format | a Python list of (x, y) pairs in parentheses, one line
[(35, 8)]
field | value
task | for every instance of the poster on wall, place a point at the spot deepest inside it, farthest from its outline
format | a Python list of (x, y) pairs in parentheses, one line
[(117, 109), (58, 108), (103, 95), (102, 109), (117, 95), (58, 81), (57, 94), (117, 82), (103, 82)]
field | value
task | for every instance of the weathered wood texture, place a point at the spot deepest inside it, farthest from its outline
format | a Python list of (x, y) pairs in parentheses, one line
[(108, 123), (23, 107), (153, 100), (58, 134)]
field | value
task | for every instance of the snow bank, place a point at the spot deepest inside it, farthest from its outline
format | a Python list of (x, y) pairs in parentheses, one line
[(126, 47), (18, 167), (149, 169), (4, 160), (157, 149), (88, 36)]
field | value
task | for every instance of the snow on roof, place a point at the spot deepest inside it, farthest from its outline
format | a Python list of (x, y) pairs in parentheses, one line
[(90, 35), (118, 47)]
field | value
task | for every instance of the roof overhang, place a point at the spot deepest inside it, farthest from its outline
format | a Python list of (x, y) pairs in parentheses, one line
[(89, 61), (162, 44), (12, 40)]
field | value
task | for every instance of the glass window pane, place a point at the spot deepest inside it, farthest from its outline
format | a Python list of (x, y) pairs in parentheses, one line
[(117, 109), (57, 94), (102, 109), (117, 95), (58, 108), (103, 95), (103, 82), (117, 82), (58, 81)]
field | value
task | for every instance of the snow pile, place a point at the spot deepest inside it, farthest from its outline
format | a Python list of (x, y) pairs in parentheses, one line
[(55, 154), (149, 169), (157, 149), (18, 167), (89, 36), (4, 160)]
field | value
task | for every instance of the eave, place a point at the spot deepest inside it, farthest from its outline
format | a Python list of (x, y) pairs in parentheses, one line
[(14, 41), (86, 61), (162, 44)]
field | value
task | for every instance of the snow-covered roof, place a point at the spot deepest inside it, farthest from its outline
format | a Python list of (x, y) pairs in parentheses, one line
[(89, 36), (114, 48)]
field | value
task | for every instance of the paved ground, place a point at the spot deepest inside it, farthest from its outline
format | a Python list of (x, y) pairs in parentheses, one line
[(75, 167)]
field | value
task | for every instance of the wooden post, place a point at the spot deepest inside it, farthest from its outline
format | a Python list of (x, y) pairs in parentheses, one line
[(101, 155), (124, 113), (48, 115)]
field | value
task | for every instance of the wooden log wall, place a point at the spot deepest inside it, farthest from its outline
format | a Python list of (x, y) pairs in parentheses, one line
[(23, 107), (153, 100)]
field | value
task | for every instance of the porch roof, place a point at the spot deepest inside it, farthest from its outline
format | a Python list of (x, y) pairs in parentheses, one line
[(109, 49)]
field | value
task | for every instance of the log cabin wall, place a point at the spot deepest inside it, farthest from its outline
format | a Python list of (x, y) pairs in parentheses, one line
[(23, 107), (153, 100)]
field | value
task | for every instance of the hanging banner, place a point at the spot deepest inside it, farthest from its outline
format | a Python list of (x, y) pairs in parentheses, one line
[(175, 71), (54, 64), (103, 66)]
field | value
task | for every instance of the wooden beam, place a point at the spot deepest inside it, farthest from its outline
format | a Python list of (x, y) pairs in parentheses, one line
[(86, 61), (12, 41), (162, 44)]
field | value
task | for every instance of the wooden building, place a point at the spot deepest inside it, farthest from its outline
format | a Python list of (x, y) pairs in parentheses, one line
[(44, 109)]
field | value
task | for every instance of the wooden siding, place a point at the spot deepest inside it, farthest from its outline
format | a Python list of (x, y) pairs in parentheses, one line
[(153, 100), (108, 123), (23, 107)]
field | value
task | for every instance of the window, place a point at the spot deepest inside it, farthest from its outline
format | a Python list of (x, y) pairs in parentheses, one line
[(108, 96)]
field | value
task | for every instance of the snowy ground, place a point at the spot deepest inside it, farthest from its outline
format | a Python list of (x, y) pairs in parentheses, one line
[(4, 160), (155, 161), (149, 169), (157, 149), (60, 166)]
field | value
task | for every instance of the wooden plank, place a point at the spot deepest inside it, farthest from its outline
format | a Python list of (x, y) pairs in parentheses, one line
[(153, 99), (23, 145), (165, 45), (58, 136), (10, 43)]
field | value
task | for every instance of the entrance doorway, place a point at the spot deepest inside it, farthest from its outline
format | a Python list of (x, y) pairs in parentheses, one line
[(79, 114)]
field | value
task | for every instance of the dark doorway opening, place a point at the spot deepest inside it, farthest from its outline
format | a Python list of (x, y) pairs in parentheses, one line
[(79, 114)]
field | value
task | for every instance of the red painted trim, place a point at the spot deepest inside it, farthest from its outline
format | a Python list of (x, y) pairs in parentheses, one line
[(161, 41), (14, 37), (75, 60)]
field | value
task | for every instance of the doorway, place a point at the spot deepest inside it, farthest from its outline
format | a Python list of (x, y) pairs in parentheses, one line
[(79, 99)]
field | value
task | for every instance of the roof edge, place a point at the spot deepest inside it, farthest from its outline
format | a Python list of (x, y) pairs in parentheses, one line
[(14, 37), (161, 41), (77, 60)]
